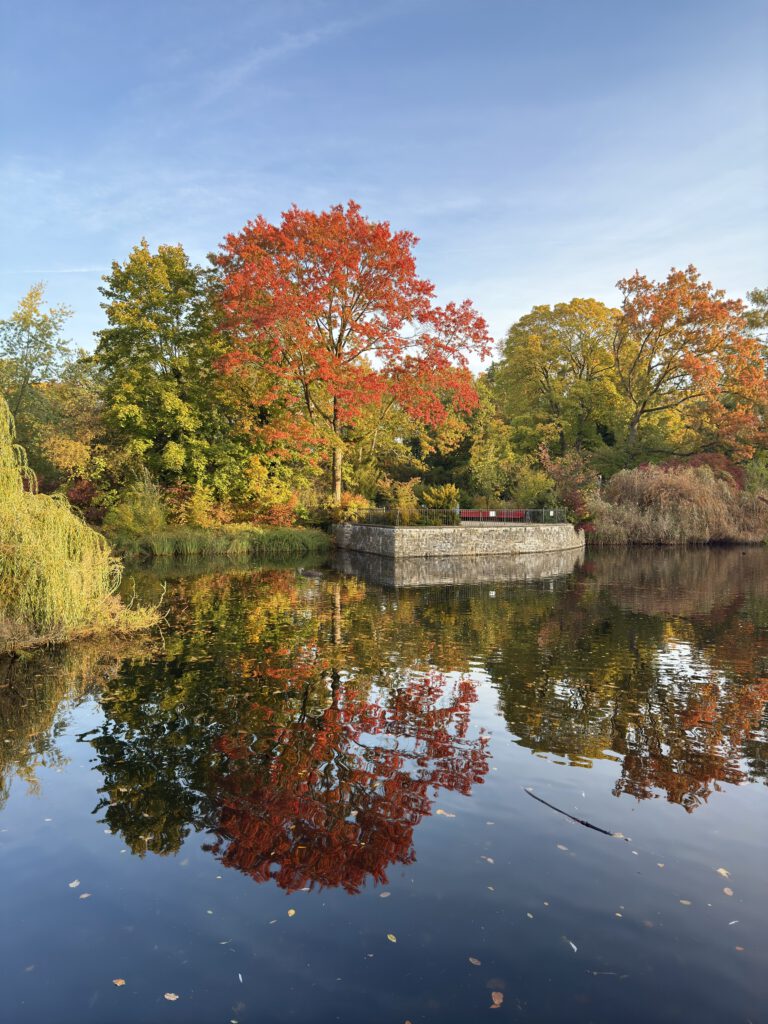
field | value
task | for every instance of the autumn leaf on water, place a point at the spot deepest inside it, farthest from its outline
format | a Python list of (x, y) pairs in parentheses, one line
[(119, 982), (728, 891), (497, 998), (291, 912), (171, 997), (391, 937), (685, 903), (74, 885), (84, 895), (383, 895), (724, 872), (474, 961), (445, 814)]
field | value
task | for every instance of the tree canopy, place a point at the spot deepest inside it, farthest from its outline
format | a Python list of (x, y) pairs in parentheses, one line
[(332, 305)]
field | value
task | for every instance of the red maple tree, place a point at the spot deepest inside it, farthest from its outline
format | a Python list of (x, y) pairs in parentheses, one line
[(331, 306)]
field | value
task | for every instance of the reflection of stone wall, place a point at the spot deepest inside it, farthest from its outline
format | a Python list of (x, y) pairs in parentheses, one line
[(465, 571), (428, 541)]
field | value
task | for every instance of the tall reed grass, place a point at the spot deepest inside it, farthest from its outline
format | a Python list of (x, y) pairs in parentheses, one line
[(677, 505), (57, 575)]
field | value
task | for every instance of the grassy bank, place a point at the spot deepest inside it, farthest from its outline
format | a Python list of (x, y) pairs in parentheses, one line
[(231, 542)]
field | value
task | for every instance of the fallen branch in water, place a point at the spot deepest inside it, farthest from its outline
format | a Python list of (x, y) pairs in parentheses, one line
[(579, 821)]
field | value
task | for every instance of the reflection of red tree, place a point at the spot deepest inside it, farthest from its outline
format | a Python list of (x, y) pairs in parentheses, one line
[(334, 799), (699, 747)]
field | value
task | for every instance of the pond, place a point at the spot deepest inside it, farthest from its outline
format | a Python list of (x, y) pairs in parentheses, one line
[(353, 792)]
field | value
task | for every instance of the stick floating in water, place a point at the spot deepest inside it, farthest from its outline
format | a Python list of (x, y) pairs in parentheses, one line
[(579, 821)]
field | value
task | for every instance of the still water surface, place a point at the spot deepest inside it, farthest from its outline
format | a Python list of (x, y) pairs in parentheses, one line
[(313, 798)]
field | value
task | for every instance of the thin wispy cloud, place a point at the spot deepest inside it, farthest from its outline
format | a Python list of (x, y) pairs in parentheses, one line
[(234, 77)]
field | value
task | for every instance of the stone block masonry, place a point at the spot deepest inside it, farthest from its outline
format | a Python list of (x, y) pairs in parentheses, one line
[(428, 541)]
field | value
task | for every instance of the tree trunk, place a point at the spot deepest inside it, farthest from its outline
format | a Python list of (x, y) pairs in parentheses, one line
[(337, 476), (634, 423), (337, 455)]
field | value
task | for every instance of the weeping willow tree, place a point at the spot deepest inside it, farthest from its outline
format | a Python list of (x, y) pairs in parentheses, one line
[(58, 578)]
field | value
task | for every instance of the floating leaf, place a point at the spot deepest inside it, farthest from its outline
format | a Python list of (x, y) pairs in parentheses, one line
[(291, 912), (561, 847), (383, 895), (685, 903), (573, 946), (445, 814), (74, 885), (497, 998), (391, 937), (119, 982), (84, 895), (171, 997), (724, 872), (474, 961), (728, 891), (529, 914), (733, 922)]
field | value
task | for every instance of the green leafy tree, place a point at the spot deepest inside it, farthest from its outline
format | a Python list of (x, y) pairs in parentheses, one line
[(32, 352), (165, 405), (757, 314), (554, 380)]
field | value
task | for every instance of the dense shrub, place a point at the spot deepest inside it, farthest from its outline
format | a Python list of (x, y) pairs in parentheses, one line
[(350, 509), (677, 505), (140, 509), (573, 479), (441, 496)]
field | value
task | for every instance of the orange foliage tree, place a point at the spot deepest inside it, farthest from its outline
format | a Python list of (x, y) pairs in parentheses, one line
[(680, 345), (331, 306)]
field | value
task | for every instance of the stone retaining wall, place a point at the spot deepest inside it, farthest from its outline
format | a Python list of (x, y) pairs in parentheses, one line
[(428, 541)]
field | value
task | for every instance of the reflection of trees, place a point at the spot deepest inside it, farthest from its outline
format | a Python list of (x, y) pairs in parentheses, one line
[(633, 664), (333, 799), (34, 689), (305, 722), (277, 725)]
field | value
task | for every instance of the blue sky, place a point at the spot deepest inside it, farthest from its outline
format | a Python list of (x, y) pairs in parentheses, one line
[(541, 149)]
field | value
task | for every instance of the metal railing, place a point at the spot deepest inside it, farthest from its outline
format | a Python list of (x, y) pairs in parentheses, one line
[(460, 516)]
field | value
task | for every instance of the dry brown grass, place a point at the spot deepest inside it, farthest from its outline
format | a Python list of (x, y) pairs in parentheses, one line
[(677, 505)]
